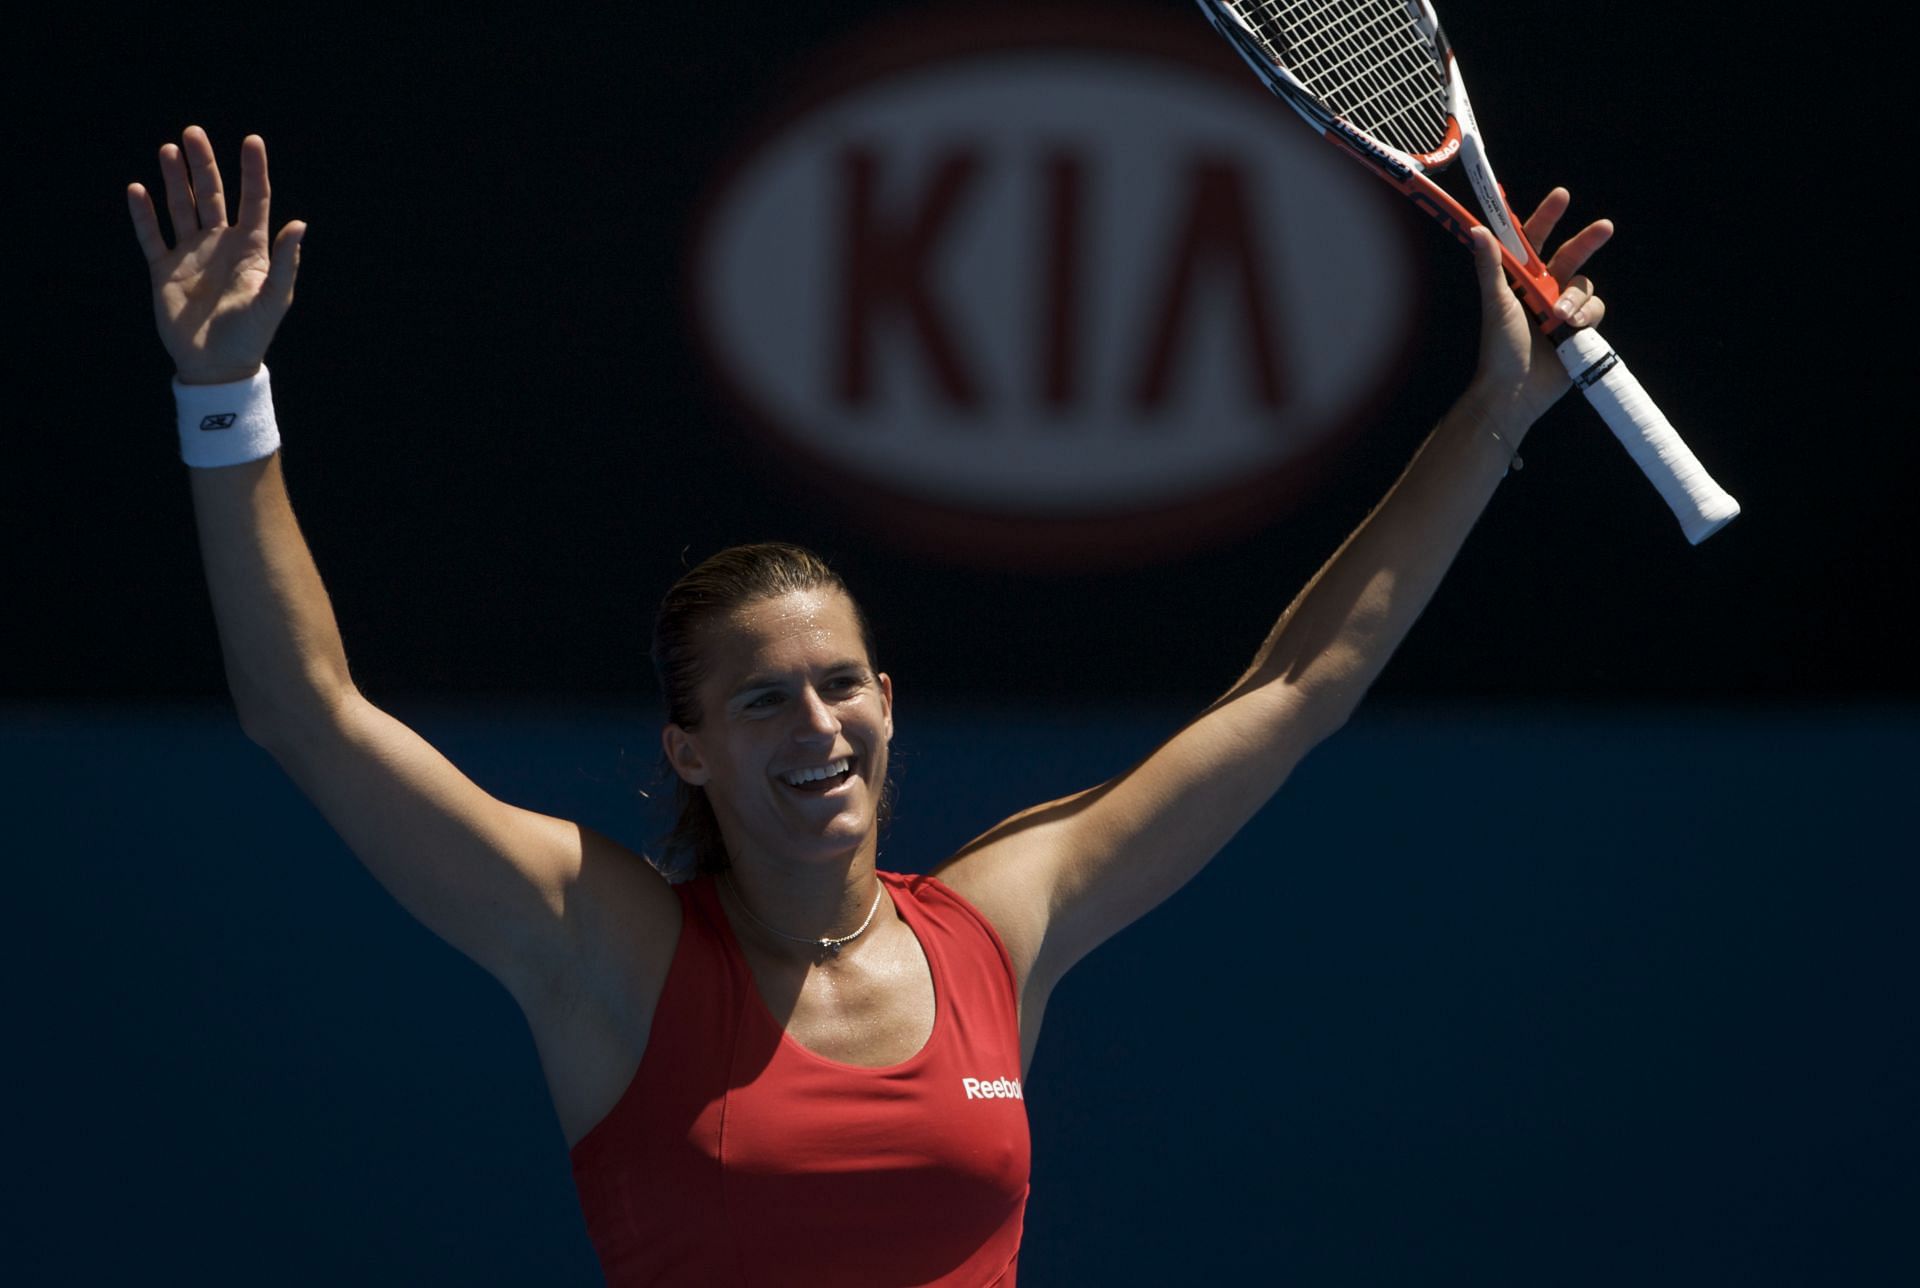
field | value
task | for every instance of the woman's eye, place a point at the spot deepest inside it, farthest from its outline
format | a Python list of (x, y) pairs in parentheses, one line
[(764, 700)]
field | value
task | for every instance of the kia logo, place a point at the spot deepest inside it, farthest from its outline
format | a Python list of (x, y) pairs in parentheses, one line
[(1018, 292)]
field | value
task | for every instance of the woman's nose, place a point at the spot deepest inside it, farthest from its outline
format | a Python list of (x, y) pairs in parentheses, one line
[(820, 720)]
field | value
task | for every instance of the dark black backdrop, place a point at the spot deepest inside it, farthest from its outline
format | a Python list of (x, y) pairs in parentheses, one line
[(500, 439)]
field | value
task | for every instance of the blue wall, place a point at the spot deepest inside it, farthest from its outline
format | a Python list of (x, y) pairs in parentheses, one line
[(1515, 997)]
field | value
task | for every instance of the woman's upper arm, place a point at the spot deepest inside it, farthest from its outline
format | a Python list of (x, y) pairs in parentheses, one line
[(1067, 875), (526, 896)]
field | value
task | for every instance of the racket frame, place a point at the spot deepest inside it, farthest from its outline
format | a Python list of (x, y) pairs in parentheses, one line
[(1407, 171), (1700, 504)]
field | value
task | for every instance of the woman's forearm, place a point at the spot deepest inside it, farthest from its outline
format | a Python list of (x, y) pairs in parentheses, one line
[(281, 645), (1335, 638)]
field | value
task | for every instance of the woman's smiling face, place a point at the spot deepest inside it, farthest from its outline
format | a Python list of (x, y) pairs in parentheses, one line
[(791, 744)]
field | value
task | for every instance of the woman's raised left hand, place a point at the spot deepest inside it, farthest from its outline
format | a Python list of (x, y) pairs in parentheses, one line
[(1519, 376)]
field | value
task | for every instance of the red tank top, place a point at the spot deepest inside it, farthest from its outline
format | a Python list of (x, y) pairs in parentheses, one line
[(738, 1157)]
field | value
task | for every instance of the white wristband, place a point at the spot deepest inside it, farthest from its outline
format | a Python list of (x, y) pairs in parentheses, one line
[(226, 424)]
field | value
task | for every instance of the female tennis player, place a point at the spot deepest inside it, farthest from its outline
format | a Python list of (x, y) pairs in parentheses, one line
[(786, 1067)]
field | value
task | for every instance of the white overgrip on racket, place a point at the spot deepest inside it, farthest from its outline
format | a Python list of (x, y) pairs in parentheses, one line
[(1702, 506)]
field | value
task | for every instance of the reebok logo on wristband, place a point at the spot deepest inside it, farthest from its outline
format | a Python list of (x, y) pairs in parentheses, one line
[(241, 409)]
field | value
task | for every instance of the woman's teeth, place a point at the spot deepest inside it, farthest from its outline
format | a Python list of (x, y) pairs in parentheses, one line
[(801, 777)]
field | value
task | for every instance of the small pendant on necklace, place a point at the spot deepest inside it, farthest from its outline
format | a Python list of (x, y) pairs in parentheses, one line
[(830, 947)]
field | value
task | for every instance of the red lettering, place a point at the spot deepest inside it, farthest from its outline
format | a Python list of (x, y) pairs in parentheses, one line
[(886, 273), (1218, 233), (1059, 346)]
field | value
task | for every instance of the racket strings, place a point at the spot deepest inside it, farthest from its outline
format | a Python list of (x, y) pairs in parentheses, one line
[(1367, 61)]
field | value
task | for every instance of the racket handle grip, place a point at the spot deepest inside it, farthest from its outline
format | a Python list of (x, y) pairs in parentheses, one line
[(1702, 506)]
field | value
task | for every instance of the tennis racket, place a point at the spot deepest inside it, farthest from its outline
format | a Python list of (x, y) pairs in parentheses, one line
[(1378, 78)]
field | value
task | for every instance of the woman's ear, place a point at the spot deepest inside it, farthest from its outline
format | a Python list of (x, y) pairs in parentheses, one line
[(683, 753), (886, 701)]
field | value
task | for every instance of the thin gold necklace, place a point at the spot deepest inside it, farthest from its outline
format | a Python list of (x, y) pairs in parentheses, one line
[(825, 946)]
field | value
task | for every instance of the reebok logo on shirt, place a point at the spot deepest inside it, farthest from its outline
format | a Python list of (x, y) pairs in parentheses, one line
[(997, 1089)]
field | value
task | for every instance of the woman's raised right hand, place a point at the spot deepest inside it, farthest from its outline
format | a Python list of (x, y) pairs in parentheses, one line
[(220, 291)]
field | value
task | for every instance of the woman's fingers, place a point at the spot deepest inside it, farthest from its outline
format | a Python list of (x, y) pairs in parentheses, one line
[(196, 200), (173, 172), (1546, 216), (1487, 268), (1578, 305), (255, 193), (285, 263), (209, 199), (146, 224), (1579, 248)]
